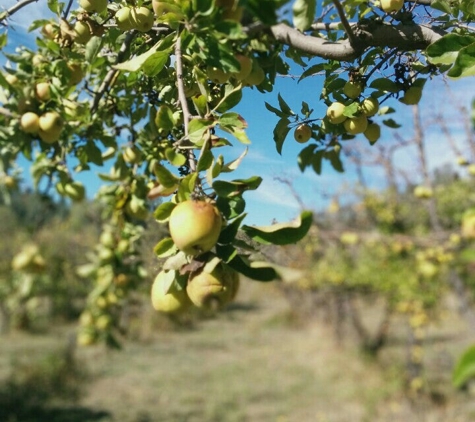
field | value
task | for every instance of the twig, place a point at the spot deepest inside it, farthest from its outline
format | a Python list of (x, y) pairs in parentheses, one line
[(106, 83), (345, 23), (6, 112), (15, 9), (183, 100), (68, 8)]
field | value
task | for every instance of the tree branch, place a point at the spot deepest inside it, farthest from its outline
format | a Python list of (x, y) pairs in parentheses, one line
[(401, 37), (15, 9), (344, 21)]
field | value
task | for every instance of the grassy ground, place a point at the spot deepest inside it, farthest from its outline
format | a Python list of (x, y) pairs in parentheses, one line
[(253, 363)]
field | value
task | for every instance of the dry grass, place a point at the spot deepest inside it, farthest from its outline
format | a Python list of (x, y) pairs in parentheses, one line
[(258, 365)]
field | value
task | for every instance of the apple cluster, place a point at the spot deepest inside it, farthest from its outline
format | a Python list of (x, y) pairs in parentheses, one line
[(195, 227)]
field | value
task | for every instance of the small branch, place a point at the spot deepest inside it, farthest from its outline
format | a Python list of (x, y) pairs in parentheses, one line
[(6, 112), (107, 82), (68, 8), (15, 9), (349, 31), (183, 100)]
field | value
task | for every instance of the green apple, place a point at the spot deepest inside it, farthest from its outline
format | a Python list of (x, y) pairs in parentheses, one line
[(49, 31), (303, 133), (423, 192), (372, 133), (123, 18), (51, 125), (38, 60), (43, 91), (412, 96), (11, 79), (335, 113), (355, 125), (257, 75), (30, 122), (142, 18), (82, 32), (353, 89), (391, 5), (92, 6), (136, 208), (245, 64), (76, 73), (195, 226), (215, 288), (131, 155), (75, 190), (370, 106), (171, 300), (217, 75)]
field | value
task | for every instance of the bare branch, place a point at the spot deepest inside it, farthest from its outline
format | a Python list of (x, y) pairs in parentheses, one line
[(403, 37), (15, 9)]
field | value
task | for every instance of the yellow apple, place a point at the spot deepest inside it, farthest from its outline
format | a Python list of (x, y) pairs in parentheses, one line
[(391, 5), (423, 192), (49, 31), (38, 60), (412, 96), (195, 226), (370, 106), (30, 122), (86, 337), (123, 18), (462, 161), (257, 75), (372, 133), (216, 288), (356, 125), (75, 190), (131, 155), (92, 6), (335, 113), (303, 133), (142, 18), (172, 301), (43, 91), (82, 32), (11, 79), (245, 64), (51, 125), (353, 89)]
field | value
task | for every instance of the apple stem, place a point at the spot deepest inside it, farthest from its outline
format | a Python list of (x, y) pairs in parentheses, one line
[(183, 101)]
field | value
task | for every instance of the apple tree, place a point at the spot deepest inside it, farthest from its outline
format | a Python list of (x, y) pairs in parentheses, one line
[(146, 89)]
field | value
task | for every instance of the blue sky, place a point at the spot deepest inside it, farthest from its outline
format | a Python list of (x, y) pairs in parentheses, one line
[(273, 200)]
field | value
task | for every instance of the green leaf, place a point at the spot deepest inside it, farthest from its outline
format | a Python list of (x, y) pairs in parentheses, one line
[(197, 128), (164, 119), (228, 234), (94, 154), (93, 48), (236, 187), (256, 271), (464, 63), (385, 85), (164, 176), (163, 211), (465, 368), (312, 70), (203, 7), (284, 106), (150, 61), (282, 233), (165, 248), (446, 49), (175, 158), (317, 162), (274, 110), (303, 13), (442, 5), (205, 160), (335, 160), (232, 97), (232, 119), (305, 157), (391, 123), (281, 131)]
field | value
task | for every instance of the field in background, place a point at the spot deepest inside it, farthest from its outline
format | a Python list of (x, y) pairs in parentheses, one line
[(254, 362)]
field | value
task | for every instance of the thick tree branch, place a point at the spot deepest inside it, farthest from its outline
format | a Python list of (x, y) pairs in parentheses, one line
[(403, 36)]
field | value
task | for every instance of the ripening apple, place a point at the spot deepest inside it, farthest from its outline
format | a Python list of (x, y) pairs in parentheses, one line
[(136, 208), (423, 192), (82, 32), (257, 75), (215, 288), (370, 106), (335, 113), (49, 31), (131, 155), (172, 301), (355, 125), (51, 125), (38, 60), (76, 73), (303, 133), (372, 133), (412, 96), (11, 79), (92, 6), (43, 91), (353, 89), (123, 19), (195, 226), (217, 75), (391, 5), (245, 64), (75, 190), (86, 337), (30, 122), (142, 18)]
